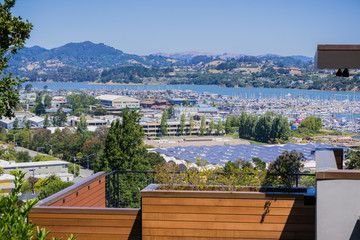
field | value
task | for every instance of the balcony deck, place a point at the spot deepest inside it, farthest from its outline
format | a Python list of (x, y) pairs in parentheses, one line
[(80, 210)]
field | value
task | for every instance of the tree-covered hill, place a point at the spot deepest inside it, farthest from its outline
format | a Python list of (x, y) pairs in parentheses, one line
[(85, 55)]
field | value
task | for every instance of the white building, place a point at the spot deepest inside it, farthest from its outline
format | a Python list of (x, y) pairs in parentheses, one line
[(39, 169), (118, 101)]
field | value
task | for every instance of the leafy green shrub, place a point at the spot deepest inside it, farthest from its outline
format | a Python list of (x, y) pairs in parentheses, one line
[(52, 188), (14, 222)]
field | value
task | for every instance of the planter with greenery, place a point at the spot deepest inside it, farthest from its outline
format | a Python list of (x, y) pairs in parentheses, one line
[(233, 202)]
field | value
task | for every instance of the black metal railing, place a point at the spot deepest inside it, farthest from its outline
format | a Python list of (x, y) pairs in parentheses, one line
[(123, 187)]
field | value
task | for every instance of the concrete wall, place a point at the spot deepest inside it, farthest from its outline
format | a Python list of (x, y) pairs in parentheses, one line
[(338, 209)]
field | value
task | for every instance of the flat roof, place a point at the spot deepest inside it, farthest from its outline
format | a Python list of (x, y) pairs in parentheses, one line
[(7, 164)]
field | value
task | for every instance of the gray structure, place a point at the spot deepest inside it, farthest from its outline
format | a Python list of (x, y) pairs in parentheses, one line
[(337, 204), (39, 169)]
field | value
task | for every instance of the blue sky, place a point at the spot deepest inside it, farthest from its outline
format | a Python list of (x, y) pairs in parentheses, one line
[(254, 27)]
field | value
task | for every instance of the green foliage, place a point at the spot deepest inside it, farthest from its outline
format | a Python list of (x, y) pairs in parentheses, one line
[(170, 112), (47, 101), (14, 221), (13, 33), (80, 103), (53, 187), (46, 121), (203, 125), (1, 170), (182, 124), (192, 123), (124, 148), (16, 123), (42, 158), (228, 128), (164, 125), (71, 169), (308, 181), (352, 159), (99, 111), (23, 156), (265, 129), (259, 164), (39, 109), (286, 164), (7, 156), (211, 126), (59, 118), (219, 128), (82, 125), (312, 123)]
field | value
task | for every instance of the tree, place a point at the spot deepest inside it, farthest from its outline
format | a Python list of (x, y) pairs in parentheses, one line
[(262, 129), (71, 169), (164, 124), (28, 87), (46, 121), (280, 128), (242, 125), (14, 221), (182, 124), (124, 148), (353, 159), (259, 164), (280, 171), (228, 128), (82, 125), (219, 128), (99, 111), (23, 156), (170, 112), (47, 101), (16, 123), (211, 126), (40, 109), (203, 125), (13, 34), (192, 123), (53, 187), (59, 117), (312, 123), (27, 124)]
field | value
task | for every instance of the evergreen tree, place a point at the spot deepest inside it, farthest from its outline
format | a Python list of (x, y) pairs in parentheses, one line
[(82, 125), (124, 148), (16, 123), (211, 126), (251, 121), (203, 125), (263, 129), (219, 128), (47, 101), (13, 33), (191, 125), (39, 109), (46, 121), (243, 128), (27, 124), (164, 124), (228, 128), (182, 124), (280, 128), (59, 117), (170, 111)]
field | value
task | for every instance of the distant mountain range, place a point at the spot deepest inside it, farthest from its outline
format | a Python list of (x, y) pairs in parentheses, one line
[(88, 55), (225, 56)]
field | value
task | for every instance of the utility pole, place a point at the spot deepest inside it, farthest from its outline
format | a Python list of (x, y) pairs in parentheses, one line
[(87, 159), (33, 179)]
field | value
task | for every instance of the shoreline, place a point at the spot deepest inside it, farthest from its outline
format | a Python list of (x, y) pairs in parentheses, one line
[(163, 84)]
